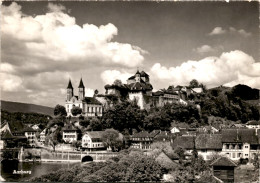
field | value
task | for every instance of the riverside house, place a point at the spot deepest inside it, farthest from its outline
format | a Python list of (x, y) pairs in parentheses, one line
[(93, 141)]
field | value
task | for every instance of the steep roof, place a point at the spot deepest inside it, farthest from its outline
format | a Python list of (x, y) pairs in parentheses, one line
[(155, 132), (186, 142), (81, 85), (209, 141), (6, 135), (29, 129), (223, 161), (70, 85), (253, 122), (240, 136), (141, 134), (69, 127), (92, 100), (144, 74), (132, 77), (95, 134)]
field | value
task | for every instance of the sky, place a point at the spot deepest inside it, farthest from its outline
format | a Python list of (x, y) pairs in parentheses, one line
[(43, 44)]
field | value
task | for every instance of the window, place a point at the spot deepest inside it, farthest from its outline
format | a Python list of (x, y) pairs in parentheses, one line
[(246, 146), (246, 154), (233, 155)]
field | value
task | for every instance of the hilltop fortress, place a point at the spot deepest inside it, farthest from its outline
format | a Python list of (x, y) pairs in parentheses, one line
[(138, 88)]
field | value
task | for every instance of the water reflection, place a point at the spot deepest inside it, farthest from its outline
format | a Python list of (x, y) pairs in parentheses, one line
[(37, 169)]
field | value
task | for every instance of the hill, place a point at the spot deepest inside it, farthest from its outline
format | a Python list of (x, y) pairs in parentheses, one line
[(244, 92), (26, 108)]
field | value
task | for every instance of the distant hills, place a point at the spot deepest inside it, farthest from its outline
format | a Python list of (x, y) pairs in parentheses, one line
[(242, 91), (26, 108)]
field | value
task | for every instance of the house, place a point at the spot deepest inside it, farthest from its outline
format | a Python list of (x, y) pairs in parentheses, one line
[(240, 143), (169, 96), (90, 105), (93, 141), (237, 126), (70, 134), (223, 169), (43, 136), (35, 127), (175, 130), (159, 135), (253, 124), (186, 142), (141, 140), (16, 134), (208, 144), (30, 135)]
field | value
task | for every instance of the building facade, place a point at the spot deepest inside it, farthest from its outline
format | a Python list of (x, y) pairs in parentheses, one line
[(93, 141), (89, 105)]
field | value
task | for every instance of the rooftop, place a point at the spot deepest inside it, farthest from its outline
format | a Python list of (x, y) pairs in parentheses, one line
[(223, 161)]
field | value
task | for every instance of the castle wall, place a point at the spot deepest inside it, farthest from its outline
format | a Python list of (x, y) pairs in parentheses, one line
[(138, 96)]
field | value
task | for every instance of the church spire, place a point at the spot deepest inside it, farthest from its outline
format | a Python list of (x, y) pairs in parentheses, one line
[(81, 85), (70, 85)]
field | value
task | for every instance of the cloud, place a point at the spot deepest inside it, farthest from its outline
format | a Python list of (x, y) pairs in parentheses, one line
[(204, 49), (55, 37), (89, 92), (10, 82), (109, 76), (231, 30), (217, 31), (231, 67), (240, 32), (56, 7)]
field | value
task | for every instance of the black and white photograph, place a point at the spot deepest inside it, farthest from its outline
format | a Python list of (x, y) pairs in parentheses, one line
[(130, 91)]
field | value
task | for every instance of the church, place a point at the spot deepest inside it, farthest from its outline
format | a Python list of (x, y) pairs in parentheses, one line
[(89, 105)]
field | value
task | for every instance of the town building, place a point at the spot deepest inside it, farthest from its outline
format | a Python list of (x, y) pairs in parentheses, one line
[(208, 145), (90, 105), (92, 141), (223, 169), (240, 143), (30, 135), (13, 134), (142, 140), (43, 136), (70, 134), (253, 124)]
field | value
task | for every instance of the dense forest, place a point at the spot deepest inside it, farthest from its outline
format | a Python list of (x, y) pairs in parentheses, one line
[(26, 118)]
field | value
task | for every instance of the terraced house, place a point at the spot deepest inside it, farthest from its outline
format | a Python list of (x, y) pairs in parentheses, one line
[(232, 143), (240, 143)]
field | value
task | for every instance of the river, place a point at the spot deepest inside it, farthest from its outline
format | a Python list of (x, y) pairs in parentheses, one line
[(30, 169)]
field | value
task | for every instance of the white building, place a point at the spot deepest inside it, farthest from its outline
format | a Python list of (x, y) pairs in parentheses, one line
[(31, 136), (93, 141), (240, 143), (43, 136), (175, 130), (89, 105), (253, 124), (70, 134)]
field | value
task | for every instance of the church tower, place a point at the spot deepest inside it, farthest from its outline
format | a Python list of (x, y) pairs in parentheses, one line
[(81, 90), (137, 76), (69, 91)]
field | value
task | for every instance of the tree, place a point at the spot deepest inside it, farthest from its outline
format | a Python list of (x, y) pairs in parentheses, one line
[(53, 138), (256, 161), (76, 110), (118, 82), (111, 138), (95, 124), (60, 110), (194, 83)]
